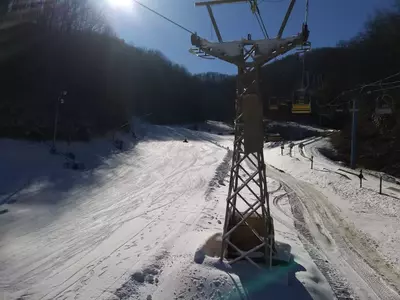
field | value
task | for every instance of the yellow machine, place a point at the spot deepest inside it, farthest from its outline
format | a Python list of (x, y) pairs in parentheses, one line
[(301, 102)]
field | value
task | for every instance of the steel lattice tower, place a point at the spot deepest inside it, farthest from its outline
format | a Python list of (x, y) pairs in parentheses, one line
[(247, 206)]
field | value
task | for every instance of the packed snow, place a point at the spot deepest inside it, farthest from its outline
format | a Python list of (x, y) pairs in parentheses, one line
[(146, 222), (361, 218)]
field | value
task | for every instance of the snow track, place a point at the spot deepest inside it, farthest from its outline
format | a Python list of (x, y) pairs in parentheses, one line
[(121, 230), (83, 246), (345, 247)]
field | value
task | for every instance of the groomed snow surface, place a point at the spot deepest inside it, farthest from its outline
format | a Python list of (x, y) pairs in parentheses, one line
[(355, 228), (145, 223)]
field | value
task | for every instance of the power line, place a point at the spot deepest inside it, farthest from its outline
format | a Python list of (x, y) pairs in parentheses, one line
[(164, 17), (372, 84), (388, 83), (385, 89), (369, 92), (391, 76)]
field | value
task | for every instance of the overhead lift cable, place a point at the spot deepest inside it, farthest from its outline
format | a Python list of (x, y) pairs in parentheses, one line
[(256, 11), (164, 17), (254, 7), (259, 23)]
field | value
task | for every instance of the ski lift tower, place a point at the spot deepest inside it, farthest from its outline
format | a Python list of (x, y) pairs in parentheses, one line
[(248, 228)]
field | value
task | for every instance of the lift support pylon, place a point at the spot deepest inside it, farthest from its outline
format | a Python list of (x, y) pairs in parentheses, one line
[(248, 181)]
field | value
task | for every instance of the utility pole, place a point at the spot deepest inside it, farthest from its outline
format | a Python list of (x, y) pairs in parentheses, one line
[(353, 157), (60, 100)]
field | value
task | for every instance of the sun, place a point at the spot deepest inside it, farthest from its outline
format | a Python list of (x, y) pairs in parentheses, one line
[(120, 4)]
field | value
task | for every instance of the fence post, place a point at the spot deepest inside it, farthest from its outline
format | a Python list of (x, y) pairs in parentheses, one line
[(290, 148), (282, 147), (380, 185), (312, 162), (361, 176)]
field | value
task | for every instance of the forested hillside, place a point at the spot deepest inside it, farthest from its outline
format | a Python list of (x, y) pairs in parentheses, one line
[(372, 55), (107, 80), (72, 48)]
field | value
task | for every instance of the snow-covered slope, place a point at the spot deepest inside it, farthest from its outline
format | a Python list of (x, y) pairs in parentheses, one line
[(355, 228), (298, 125), (59, 241), (138, 224)]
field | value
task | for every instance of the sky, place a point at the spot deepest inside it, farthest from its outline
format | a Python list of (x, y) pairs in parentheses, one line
[(329, 22)]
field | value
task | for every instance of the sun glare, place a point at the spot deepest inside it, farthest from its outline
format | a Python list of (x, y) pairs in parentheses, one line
[(121, 4)]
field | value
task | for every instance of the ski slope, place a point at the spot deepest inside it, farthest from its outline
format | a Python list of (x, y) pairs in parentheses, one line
[(355, 228), (145, 223), (138, 224), (58, 243)]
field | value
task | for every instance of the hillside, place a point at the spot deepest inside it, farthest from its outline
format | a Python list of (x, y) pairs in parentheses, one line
[(368, 58), (107, 80)]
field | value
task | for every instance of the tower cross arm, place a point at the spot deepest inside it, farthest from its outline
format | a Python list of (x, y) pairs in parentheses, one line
[(265, 50)]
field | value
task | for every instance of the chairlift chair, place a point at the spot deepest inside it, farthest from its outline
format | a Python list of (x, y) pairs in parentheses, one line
[(339, 110), (342, 108), (384, 105), (273, 103), (301, 102), (304, 47)]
